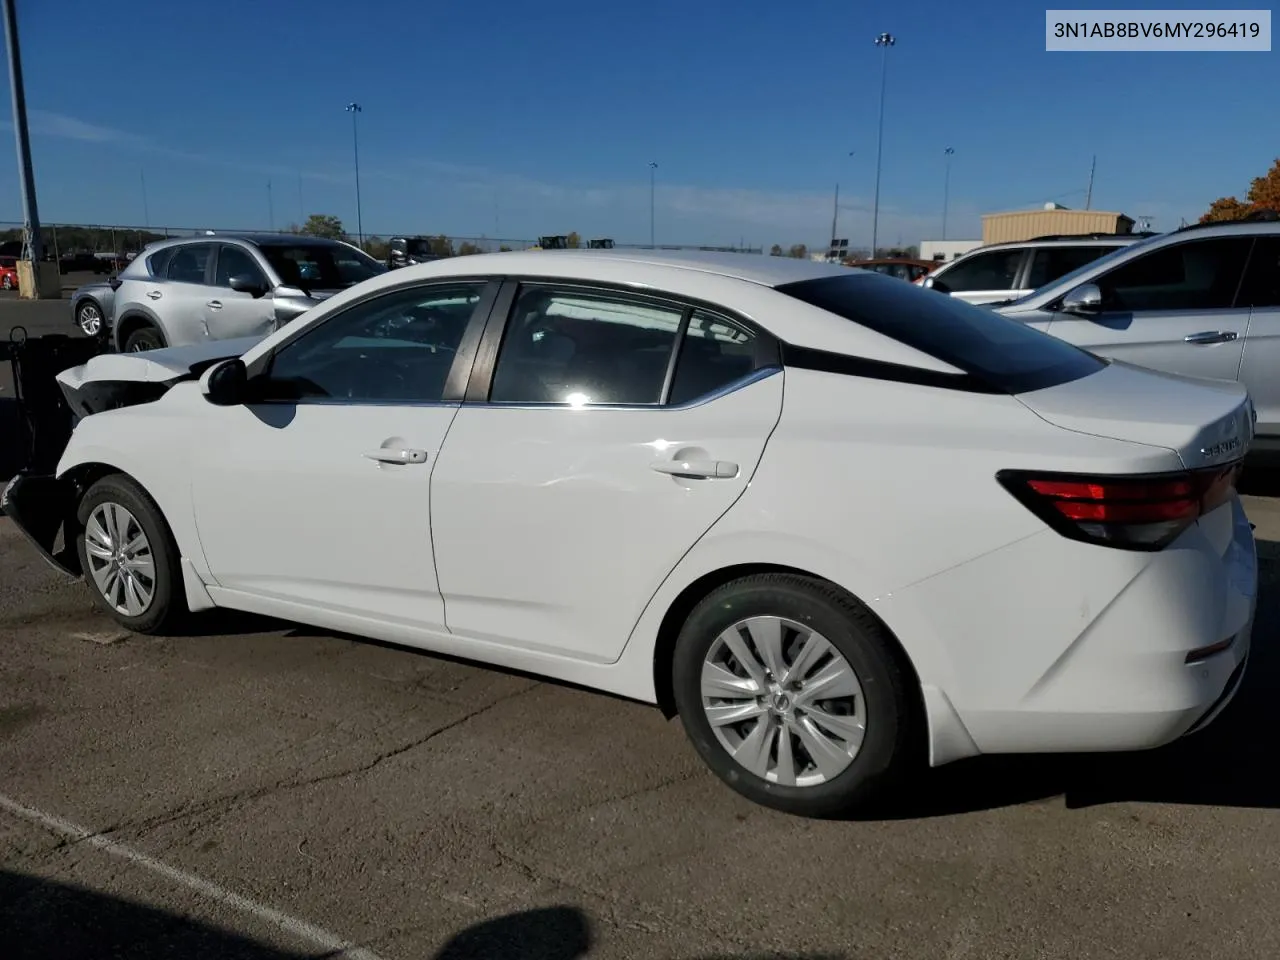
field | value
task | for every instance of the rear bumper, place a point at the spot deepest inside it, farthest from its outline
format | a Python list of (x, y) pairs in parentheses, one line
[(42, 507), (1086, 648)]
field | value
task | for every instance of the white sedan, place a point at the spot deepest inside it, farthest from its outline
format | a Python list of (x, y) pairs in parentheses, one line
[(839, 524)]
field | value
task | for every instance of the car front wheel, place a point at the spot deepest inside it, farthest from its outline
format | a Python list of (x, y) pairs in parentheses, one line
[(794, 694), (89, 318), (128, 556)]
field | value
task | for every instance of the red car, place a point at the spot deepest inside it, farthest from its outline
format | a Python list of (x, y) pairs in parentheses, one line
[(9, 273)]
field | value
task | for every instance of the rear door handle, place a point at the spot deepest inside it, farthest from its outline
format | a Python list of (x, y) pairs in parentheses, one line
[(154, 294), (391, 455), (214, 304), (1211, 336), (697, 469)]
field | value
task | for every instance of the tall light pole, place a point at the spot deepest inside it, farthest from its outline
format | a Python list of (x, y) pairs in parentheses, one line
[(355, 109), (946, 187), (653, 173), (835, 212), (884, 42), (271, 209), (146, 210), (32, 246)]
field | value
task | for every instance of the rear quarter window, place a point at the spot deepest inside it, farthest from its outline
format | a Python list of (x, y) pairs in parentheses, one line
[(1004, 355), (158, 261)]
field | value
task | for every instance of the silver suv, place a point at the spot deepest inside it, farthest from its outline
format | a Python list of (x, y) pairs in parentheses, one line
[(1005, 271), (1202, 301), (219, 287)]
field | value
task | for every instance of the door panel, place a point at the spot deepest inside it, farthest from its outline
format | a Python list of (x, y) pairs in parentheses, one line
[(179, 301), (290, 506), (1171, 309), (1260, 290), (229, 313), (553, 527)]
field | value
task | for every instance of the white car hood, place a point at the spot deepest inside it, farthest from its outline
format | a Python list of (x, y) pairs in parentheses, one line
[(152, 366)]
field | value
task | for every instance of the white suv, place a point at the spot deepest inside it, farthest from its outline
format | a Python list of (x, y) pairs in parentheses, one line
[(1006, 271)]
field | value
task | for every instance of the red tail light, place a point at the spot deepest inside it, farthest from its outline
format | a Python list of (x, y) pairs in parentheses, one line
[(1137, 512)]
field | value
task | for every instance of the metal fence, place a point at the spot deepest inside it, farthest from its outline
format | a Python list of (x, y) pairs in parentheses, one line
[(64, 238)]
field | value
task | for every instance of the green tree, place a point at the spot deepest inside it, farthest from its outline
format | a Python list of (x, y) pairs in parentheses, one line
[(573, 240), (504, 249), (1264, 194), (775, 250), (441, 245), (798, 251), (466, 248), (323, 225), (377, 248)]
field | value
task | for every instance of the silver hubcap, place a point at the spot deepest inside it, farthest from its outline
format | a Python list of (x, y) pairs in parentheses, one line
[(90, 319), (120, 559), (783, 701)]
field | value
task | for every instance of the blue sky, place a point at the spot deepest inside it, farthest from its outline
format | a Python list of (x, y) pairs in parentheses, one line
[(516, 119)]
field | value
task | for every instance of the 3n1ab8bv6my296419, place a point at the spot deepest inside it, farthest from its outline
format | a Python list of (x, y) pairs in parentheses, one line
[(840, 525)]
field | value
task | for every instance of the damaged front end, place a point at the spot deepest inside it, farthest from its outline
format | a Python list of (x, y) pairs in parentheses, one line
[(60, 380)]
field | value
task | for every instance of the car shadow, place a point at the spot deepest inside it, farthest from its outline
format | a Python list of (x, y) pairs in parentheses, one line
[(42, 919)]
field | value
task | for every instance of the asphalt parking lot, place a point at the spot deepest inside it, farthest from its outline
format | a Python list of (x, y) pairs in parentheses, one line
[(257, 790)]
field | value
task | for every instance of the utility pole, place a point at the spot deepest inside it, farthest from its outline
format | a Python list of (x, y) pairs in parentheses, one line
[(354, 109), (32, 248), (946, 187), (653, 170), (302, 211), (1088, 195), (271, 209), (835, 217), (146, 210), (884, 42)]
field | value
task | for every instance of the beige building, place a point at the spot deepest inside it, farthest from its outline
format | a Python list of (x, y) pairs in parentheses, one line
[(1051, 220)]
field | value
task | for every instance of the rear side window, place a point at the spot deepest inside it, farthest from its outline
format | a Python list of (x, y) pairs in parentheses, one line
[(1050, 263), (1004, 354), (158, 262), (990, 270)]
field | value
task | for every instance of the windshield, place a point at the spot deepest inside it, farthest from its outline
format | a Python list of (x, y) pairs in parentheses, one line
[(1007, 354), (1068, 280), (316, 266)]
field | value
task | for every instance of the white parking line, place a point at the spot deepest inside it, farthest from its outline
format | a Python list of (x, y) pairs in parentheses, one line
[(334, 945)]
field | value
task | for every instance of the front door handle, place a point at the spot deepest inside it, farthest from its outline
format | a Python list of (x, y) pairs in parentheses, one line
[(697, 469), (154, 294), (392, 455), (1211, 336), (214, 304)]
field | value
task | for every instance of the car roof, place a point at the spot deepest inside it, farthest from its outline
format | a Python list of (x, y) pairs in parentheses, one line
[(754, 268), (258, 239)]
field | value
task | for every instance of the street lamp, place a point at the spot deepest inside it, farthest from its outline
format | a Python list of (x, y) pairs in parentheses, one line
[(884, 42), (653, 172), (946, 187), (354, 108)]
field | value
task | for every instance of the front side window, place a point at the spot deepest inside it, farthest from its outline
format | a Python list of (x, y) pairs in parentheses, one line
[(395, 348), (1050, 263), (236, 262), (993, 270), (1004, 353), (319, 266), (1195, 275), (188, 263), (578, 348)]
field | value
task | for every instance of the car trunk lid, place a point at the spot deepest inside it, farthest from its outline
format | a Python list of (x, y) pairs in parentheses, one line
[(1205, 422)]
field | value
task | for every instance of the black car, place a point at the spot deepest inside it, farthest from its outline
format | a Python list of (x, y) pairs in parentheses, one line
[(410, 250)]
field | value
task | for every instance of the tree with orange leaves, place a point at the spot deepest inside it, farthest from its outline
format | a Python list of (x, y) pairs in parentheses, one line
[(1264, 194)]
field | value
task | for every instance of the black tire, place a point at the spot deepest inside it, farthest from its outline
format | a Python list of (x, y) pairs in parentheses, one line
[(144, 338), (80, 322), (891, 744), (168, 605)]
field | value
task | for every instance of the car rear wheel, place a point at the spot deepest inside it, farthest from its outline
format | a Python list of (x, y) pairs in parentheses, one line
[(128, 556), (144, 338), (89, 318), (794, 694)]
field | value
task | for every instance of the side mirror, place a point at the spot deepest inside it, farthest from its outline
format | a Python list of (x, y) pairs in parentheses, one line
[(1084, 301), (933, 283), (244, 283), (225, 384)]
